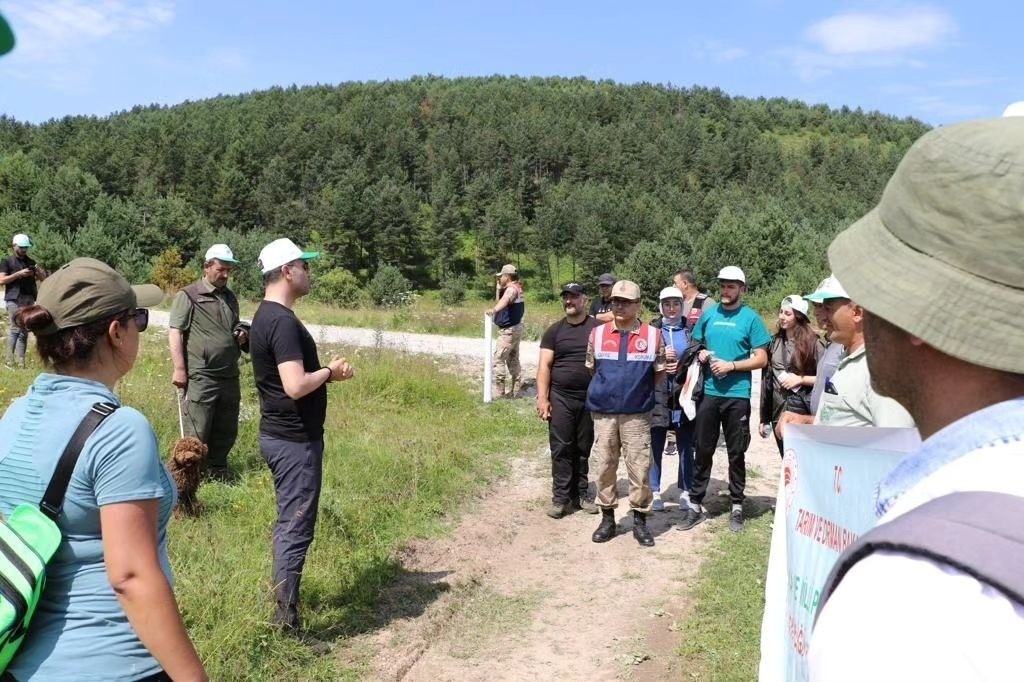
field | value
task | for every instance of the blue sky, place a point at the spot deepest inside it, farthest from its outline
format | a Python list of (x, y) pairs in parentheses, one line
[(940, 62)]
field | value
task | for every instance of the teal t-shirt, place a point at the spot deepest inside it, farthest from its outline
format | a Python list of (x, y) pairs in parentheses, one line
[(80, 631), (731, 335)]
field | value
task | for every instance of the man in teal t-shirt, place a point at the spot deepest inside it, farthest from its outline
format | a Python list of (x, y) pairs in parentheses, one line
[(734, 338)]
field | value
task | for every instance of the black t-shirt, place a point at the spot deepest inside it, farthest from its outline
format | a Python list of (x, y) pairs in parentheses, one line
[(599, 306), (22, 290), (569, 374), (277, 336)]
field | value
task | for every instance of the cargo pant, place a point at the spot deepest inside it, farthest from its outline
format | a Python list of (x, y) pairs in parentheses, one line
[(628, 435), (506, 355), (211, 415)]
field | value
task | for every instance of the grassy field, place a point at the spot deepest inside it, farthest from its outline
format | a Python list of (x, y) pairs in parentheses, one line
[(408, 448), (722, 634)]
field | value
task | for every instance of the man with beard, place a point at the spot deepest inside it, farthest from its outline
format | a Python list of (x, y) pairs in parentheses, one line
[(934, 592), (562, 381), (19, 274), (206, 341), (601, 308), (292, 385), (734, 339)]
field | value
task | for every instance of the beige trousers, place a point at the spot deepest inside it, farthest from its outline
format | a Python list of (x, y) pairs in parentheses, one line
[(506, 361), (630, 436)]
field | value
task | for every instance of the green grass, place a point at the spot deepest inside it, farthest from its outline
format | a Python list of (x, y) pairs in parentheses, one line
[(407, 446), (722, 633)]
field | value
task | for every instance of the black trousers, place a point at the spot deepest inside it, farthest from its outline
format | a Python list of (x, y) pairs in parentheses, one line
[(732, 416), (571, 435)]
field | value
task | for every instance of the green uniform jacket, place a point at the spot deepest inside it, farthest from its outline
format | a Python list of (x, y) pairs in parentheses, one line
[(207, 317)]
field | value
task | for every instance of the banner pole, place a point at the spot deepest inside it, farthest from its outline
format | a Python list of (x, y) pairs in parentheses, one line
[(487, 358)]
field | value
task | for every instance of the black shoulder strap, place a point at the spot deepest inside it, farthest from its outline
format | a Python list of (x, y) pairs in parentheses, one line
[(53, 498), (977, 533)]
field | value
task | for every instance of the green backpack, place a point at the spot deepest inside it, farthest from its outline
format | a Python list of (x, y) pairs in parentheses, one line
[(28, 539)]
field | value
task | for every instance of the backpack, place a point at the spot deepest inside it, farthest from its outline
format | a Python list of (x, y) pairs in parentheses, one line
[(29, 537), (977, 533)]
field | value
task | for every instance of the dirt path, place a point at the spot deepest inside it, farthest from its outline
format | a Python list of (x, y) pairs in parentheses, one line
[(511, 594)]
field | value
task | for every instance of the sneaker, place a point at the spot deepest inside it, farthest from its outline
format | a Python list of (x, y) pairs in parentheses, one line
[(557, 511), (691, 519), (736, 520), (658, 504), (670, 451), (585, 506)]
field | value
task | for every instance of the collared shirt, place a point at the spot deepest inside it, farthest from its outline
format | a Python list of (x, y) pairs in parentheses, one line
[(849, 400), (208, 317), (908, 618)]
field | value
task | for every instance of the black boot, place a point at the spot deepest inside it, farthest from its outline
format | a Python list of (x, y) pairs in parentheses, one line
[(606, 531), (640, 530)]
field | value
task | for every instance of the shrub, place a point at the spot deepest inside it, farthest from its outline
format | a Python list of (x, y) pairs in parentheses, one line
[(338, 287), (453, 290), (389, 287), (167, 271)]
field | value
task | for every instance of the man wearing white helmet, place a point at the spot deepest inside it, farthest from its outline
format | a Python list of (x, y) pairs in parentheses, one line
[(667, 414), (19, 274), (734, 343), (206, 338)]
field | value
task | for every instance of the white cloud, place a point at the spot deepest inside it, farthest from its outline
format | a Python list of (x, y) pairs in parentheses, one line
[(935, 107), (811, 65), (719, 52), (50, 31), (857, 33)]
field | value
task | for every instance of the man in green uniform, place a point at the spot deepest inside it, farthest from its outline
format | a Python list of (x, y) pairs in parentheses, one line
[(206, 339)]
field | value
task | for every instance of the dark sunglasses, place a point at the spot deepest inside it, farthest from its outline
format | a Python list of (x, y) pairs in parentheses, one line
[(141, 316)]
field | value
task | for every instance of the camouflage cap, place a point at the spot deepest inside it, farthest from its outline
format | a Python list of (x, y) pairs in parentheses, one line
[(948, 228), (87, 290)]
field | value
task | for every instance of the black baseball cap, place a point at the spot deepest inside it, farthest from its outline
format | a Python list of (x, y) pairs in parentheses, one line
[(574, 288), (606, 278)]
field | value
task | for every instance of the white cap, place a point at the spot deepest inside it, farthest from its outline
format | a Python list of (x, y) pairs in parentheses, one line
[(795, 302), (829, 288), (670, 292), (220, 252), (1015, 109), (281, 252), (732, 273), (21, 240)]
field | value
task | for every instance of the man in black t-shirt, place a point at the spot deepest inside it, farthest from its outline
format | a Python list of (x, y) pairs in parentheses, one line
[(293, 406), (562, 382), (19, 274)]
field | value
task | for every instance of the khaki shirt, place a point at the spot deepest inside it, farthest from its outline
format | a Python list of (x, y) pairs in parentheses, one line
[(849, 400)]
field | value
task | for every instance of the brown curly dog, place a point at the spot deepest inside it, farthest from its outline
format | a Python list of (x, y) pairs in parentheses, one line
[(187, 457)]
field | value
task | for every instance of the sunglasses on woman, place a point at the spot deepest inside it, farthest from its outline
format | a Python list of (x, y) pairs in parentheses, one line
[(141, 316)]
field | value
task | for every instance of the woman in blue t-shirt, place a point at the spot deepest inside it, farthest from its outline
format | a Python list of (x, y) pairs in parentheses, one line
[(108, 610)]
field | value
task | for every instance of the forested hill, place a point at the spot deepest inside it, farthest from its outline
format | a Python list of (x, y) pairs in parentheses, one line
[(442, 178)]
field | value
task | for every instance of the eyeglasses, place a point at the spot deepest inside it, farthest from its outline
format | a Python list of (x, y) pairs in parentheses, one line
[(141, 316)]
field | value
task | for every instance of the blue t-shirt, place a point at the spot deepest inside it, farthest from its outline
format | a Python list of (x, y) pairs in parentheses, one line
[(80, 631), (731, 335)]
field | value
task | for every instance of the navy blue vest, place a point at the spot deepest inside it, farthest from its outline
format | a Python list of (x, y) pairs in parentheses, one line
[(513, 314), (623, 380)]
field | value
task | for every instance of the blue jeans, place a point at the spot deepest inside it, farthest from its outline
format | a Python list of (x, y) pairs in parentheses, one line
[(684, 445), (18, 338)]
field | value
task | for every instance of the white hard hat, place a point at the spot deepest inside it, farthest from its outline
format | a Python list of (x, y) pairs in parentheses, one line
[(732, 273), (670, 292)]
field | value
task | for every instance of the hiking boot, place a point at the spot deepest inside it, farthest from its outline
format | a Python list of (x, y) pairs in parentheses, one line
[(220, 474), (286, 617), (584, 505), (606, 531), (691, 519), (736, 520), (558, 510), (658, 504), (640, 531)]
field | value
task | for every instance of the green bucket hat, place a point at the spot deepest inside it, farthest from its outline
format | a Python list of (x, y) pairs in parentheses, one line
[(87, 290), (6, 36), (949, 228)]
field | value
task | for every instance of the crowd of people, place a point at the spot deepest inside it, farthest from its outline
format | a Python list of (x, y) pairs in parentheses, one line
[(612, 387)]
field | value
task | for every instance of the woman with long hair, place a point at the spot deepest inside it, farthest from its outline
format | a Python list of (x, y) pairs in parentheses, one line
[(787, 381), (108, 610)]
